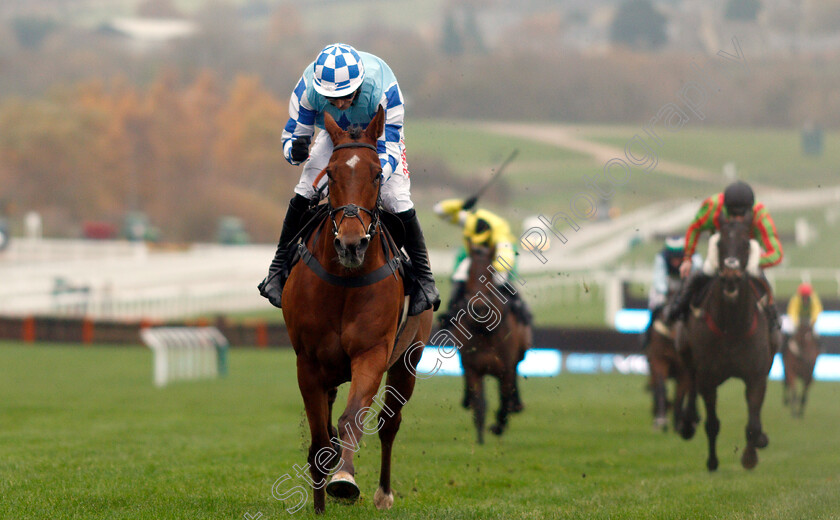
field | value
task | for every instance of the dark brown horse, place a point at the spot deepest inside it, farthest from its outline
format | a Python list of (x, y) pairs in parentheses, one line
[(799, 355), (664, 363), (494, 342), (342, 305), (727, 336)]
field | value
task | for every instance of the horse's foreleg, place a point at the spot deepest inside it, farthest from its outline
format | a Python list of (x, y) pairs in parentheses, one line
[(465, 402), (507, 392), (331, 395), (658, 373), (475, 382), (756, 438), (689, 417), (398, 389), (366, 372), (321, 453), (709, 393)]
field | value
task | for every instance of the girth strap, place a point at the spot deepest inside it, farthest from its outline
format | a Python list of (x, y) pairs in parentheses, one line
[(370, 278)]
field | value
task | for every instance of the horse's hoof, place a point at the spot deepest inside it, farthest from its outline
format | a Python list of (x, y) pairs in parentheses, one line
[(712, 464), (687, 431), (517, 407), (382, 501), (750, 458), (343, 486), (762, 441), (497, 430), (660, 424)]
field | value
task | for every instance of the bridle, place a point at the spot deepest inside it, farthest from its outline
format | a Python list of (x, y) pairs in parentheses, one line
[(390, 267), (353, 210)]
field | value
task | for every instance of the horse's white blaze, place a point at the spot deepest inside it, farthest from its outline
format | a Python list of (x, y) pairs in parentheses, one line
[(353, 161), (383, 501)]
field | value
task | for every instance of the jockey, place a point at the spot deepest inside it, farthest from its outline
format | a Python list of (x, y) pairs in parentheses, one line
[(351, 86), (805, 299), (482, 228), (666, 278), (737, 201)]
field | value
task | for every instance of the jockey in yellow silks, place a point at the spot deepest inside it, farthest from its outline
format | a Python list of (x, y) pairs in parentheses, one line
[(482, 228), (805, 300)]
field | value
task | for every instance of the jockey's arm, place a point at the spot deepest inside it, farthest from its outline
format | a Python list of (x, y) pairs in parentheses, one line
[(702, 221), (659, 285), (793, 309), (765, 232), (301, 121), (388, 145), (505, 257), (451, 211), (816, 307)]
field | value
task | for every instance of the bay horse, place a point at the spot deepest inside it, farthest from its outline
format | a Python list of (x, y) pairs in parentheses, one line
[(727, 336), (799, 356), (664, 364), (343, 303), (494, 342)]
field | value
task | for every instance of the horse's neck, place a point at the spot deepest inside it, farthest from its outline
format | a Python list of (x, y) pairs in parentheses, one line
[(732, 317)]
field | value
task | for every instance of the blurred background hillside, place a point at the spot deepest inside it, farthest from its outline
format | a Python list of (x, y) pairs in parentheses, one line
[(170, 111)]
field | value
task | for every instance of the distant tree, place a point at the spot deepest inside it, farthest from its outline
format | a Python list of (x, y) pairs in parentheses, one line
[(742, 10), (638, 24), (31, 31), (158, 9), (452, 43), (472, 33)]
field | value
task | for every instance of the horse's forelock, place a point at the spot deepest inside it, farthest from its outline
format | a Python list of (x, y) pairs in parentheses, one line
[(355, 132)]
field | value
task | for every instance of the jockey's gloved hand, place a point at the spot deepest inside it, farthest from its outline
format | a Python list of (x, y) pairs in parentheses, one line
[(469, 203), (300, 149)]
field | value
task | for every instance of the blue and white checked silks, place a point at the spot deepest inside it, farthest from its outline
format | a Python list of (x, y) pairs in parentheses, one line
[(378, 88)]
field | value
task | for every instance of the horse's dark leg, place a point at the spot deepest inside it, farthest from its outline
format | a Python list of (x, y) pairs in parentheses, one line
[(516, 405), (690, 417), (366, 370), (507, 389), (399, 387), (658, 372), (465, 402), (315, 401), (709, 393), (756, 438), (475, 382)]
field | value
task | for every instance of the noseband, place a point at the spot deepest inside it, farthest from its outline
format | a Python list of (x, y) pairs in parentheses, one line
[(352, 210)]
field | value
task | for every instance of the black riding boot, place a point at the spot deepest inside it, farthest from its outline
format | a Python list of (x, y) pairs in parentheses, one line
[(427, 297), (678, 308), (272, 285), (458, 290)]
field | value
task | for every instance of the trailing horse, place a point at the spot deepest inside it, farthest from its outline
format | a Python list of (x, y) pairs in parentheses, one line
[(494, 342), (799, 356), (726, 336), (344, 303), (665, 364)]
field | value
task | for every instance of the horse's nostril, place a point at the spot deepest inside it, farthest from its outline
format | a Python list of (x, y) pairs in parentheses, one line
[(364, 242), (337, 243)]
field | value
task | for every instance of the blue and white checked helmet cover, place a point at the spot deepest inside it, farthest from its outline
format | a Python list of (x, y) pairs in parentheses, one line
[(338, 70)]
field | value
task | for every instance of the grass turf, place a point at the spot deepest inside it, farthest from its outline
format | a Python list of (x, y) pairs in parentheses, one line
[(84, 434)]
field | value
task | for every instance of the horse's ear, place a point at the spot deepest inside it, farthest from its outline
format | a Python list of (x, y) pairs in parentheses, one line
[(376, 126), (332, 127)]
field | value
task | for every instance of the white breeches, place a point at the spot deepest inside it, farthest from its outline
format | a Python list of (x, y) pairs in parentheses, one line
[(396, 189)]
